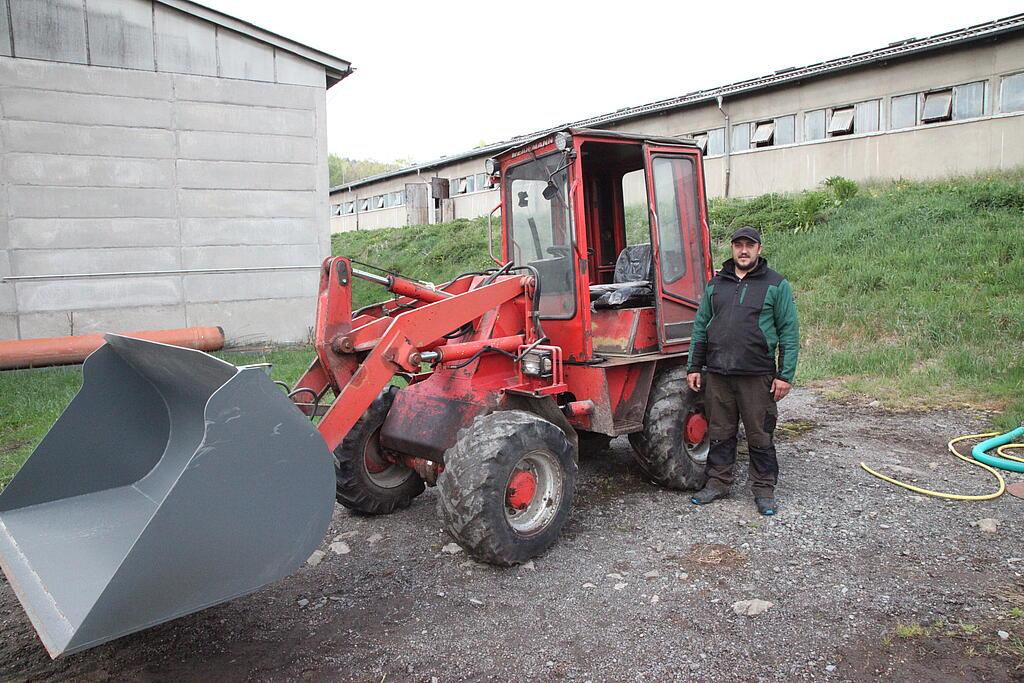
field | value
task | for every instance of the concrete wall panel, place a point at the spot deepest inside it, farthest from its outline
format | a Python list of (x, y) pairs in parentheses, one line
[(57, 233), (287, 320), (216, 287), (24, 73), (184, 44), (229, 231), (214, 116), (245, 92), (65, 261), (8, 303), (243, 175), (255, 203), (63, 138), (5, 36), (49, 29), (116, 166), (236, 256), (121, 33), (66, 295), (56, 169), (294, 69), (217, 146), (101, 321), (243, 57), (8, 326), (102, 110), (79, 202)]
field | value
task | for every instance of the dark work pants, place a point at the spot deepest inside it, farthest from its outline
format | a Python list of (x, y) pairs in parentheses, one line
[(727, 399)]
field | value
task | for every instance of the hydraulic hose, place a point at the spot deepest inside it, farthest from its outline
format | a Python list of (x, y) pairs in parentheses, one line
[(954, 451), (1010, 464)]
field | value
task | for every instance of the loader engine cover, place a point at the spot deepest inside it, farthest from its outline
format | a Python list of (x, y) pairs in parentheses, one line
[(172, 482)]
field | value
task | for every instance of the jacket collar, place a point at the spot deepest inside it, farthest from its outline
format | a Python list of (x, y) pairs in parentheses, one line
[(729, 269)]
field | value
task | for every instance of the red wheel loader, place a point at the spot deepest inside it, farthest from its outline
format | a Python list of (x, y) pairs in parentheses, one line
[(175, 481)]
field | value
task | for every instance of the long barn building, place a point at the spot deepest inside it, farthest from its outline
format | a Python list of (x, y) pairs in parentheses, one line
[(921, 108)]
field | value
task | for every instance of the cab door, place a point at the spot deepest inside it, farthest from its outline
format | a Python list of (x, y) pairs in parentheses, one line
[(680, 239)]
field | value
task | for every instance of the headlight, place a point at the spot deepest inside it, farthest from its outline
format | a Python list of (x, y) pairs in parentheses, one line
[(537, 364), (563, 141), (491, 166)]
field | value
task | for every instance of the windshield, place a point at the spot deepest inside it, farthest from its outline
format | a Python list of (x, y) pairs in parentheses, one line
[(540, 229)]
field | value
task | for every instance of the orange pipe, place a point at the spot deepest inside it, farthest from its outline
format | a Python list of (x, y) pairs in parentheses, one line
[(37, 353)]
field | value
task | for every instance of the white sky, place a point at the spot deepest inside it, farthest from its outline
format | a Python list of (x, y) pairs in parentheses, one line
[(438, 78)]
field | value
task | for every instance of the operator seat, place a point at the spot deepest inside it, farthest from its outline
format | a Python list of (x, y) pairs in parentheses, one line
[(631, 283)]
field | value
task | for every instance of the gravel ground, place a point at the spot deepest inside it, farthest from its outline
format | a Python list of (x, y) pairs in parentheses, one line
[(867, 581)]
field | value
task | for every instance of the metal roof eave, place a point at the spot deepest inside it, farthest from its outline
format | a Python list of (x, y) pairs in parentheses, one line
[(336, 67)]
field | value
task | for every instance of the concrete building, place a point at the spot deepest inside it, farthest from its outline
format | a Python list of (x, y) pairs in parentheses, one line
[(164, 138), (920, 108)]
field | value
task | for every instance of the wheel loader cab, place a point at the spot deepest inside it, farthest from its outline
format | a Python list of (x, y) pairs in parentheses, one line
[(615, 227)]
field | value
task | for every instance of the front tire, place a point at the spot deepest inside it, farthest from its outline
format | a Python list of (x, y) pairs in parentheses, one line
[(673, 447), (507, 487), (366, 481)]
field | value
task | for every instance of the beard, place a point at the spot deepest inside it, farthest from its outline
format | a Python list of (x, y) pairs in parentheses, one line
[(752, 261)]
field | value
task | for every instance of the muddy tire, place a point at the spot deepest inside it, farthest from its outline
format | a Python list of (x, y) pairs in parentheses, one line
[(663, 449), (367, 483), (507, 487)]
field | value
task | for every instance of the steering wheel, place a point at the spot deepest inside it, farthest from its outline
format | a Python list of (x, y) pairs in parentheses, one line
[(559, 250)]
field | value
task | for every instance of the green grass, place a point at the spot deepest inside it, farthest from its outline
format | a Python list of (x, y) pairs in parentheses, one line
[(907, 292), (32, 400)]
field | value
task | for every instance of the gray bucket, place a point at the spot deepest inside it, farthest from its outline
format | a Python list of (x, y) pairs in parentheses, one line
[(173, 481)]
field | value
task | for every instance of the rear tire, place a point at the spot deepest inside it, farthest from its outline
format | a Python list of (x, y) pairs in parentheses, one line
[(663, 449), (366, 482), (507, 487)]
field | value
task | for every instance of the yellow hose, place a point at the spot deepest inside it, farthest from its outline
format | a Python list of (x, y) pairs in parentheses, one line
[(1001, 451), (954, 451)]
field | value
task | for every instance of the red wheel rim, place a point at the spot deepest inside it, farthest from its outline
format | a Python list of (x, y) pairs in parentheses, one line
[(522, 487), (696, 428)]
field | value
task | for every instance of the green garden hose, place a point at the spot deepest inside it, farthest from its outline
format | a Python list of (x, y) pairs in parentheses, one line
[(1003, 463)]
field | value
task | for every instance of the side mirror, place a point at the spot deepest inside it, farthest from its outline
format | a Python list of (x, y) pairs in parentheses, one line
[(551, 191)]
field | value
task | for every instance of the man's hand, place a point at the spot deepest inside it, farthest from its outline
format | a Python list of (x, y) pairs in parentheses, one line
[(780, 388), (693, 379)]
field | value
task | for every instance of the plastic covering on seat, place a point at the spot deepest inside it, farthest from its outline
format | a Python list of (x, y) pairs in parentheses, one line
[(631, 283)]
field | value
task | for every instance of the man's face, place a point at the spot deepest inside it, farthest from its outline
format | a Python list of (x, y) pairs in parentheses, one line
[(745, 253)]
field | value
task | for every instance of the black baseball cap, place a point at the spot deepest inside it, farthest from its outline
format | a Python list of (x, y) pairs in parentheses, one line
[(746, 232)]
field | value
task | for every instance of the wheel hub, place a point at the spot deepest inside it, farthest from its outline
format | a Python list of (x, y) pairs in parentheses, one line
[(522, 487), (380, 469), (696, 428), (533, 493)]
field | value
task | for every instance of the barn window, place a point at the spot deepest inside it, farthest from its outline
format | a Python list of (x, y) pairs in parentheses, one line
[(938, 106), (841, 122)]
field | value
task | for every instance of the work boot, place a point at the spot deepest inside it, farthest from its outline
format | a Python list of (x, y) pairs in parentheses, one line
[(765, 505), (707, 495)]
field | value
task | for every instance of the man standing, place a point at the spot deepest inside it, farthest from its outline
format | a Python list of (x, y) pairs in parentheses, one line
[(746, 316)]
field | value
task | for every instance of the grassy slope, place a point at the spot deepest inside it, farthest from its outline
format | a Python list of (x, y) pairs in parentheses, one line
[(909, 292)]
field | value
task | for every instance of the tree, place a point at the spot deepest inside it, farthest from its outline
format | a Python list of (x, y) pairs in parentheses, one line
[(344, 170)]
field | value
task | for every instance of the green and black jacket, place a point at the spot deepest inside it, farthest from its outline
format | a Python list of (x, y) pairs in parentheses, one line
[(741, 324)]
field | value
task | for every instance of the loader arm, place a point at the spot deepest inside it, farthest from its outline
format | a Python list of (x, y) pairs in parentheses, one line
[(397, 349)]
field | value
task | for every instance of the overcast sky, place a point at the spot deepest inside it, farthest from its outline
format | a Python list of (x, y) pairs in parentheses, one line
[(438, 78)]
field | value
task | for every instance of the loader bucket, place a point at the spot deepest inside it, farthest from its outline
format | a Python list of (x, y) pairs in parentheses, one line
[(172, 482)]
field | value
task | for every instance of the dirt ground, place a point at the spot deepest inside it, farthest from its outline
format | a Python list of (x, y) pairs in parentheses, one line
[(867, 582)]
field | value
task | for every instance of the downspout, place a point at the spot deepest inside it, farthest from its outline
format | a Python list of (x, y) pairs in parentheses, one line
[(727, 144)]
